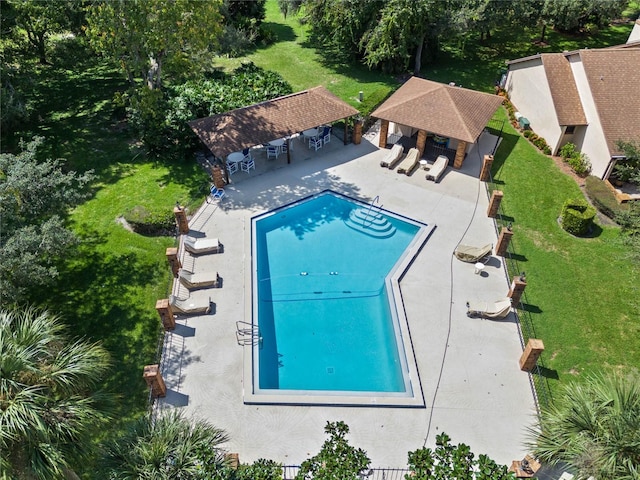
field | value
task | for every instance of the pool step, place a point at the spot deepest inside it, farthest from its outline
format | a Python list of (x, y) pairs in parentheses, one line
[(370, 222)]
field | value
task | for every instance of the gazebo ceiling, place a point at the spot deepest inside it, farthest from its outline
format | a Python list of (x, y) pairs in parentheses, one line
[(260, 123), (441, 109)]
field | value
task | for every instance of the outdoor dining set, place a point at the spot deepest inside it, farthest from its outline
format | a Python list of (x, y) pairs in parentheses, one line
[(243, 160)]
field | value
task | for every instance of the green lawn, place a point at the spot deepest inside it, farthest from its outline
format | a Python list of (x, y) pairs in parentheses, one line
[(581, 292)]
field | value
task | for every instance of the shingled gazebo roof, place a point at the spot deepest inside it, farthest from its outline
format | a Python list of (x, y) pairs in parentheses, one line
[(441, 109), (263, 122)]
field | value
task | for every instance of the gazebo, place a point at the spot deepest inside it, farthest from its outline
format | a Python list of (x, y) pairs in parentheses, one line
[(263, 122), (451, 115)]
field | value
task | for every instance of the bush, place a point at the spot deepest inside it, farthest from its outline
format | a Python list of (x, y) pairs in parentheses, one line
[(577, 216), (603, 198), (579, 162), (152, 223)]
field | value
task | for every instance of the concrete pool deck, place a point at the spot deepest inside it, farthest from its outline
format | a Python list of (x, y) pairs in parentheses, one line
[(472, 385)]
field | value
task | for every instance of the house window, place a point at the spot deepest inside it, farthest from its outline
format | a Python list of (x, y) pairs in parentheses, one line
[(570, 130)]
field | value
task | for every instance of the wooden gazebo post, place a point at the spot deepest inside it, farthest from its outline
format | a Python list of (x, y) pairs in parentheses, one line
[(460, 152), (421, 141), (384, 132)]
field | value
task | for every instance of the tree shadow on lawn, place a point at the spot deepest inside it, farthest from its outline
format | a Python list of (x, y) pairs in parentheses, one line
[(98, 296)]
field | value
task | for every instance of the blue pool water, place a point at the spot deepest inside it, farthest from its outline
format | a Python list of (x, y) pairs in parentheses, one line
[(323, 310)]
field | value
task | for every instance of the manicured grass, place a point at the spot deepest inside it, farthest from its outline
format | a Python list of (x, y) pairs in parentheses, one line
[(302, 65), (581, 292)]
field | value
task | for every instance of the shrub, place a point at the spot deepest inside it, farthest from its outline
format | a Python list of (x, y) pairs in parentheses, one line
[(577, 216), (568, 150), (580, 164), (152, 223)]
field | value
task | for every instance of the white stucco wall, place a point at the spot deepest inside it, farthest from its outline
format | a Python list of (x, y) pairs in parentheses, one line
[(634, 36), (593, 144), (529, 92)]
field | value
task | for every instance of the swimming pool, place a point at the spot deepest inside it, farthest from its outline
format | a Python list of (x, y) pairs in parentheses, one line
[(327, 314)]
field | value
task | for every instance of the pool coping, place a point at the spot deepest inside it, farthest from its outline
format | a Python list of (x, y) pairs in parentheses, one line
[(411, 375)]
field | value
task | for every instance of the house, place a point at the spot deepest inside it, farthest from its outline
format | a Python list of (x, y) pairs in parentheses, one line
[(590, 98)]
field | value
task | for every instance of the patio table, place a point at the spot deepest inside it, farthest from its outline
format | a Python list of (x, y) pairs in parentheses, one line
[(310, 133), (235, 157)]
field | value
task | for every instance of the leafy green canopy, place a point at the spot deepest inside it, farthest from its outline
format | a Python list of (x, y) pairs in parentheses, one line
[(593, 426), (160, 117), (49, 405), (151, 37), (34, 198)]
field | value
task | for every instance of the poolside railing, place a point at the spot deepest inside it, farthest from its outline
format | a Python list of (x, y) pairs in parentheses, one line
[(539, 376), (289, 472)]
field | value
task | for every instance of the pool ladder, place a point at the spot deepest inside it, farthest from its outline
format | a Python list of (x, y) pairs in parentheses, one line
[(371, 205), (247, 334)]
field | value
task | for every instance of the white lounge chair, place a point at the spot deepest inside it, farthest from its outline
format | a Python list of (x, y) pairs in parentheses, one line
[(202, 245), (410, 162), (393, 157), (437, 169), (190, 306), (470, 254), (198, 280), (495, 310)]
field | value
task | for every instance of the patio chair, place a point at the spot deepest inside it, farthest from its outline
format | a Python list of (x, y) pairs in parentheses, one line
[(198, 280), (471, 254), (493, 310), (393, 157), (315, 142), (437, 169), (216, 193), (190, 306), (247, 164), (326, 135), (232, 167), (247, 154), (410, 162), (272, 151), (202, 245)]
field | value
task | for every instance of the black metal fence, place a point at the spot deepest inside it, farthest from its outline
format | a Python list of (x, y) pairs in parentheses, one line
[(289, 472)]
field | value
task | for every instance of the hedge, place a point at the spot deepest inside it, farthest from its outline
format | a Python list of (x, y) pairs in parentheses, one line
[(577, 216), (603, 198)]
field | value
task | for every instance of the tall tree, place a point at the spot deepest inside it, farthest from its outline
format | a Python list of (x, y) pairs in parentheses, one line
[(593, 426), (574, 15), (34, 197), (151, 37), (168, 448), (49, 402), (41, 19)]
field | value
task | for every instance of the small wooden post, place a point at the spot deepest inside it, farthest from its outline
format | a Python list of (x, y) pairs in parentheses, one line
[(233, 460), (518, 284), (485, 173), (217, 175), (165, 311), (155, 382), (494, 203), (460, 152), (181, 219), (421, 142), (384, 132), (503, 241), (531, 353), (174, 262), (357, 132)]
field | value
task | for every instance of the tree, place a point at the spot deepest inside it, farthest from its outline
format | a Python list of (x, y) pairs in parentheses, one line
[(289, 6), (628, 169), (337, 460), (49, 404), (575, 15), (41, 19), (453, 461), (151, 37), (34, 196), (593, 426), (171, 447)]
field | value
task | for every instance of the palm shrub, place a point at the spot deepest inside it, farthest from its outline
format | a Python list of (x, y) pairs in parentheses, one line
[(50, 407), (169, 447), (594, 426), (577, 216)]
